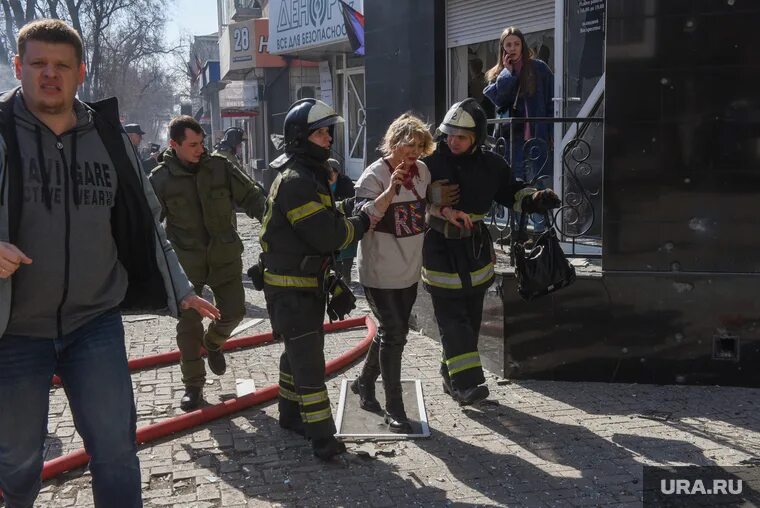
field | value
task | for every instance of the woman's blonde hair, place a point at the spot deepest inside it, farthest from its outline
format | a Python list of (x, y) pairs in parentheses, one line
[(406, 129)]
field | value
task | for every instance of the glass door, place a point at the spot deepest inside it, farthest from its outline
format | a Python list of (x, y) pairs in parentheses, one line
[(579, 93), (354, 113)]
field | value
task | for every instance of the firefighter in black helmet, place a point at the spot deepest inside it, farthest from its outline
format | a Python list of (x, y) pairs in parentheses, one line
[(458, 262), (228, 146), (302, 228)]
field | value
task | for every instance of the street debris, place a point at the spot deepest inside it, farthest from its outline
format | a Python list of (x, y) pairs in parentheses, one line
[(371, 450), (660, 416)]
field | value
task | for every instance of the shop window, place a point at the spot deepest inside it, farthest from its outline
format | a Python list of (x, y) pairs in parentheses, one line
[(469, 65)]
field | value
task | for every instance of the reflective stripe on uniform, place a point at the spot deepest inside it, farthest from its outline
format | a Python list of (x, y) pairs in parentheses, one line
[(482, 276), (286, 378), (274, 279), (304, 211), (316, 416), (476, 216), (326, 200), (315, 398), (350, 233), (463, 362), (441, 279), (289, 394)]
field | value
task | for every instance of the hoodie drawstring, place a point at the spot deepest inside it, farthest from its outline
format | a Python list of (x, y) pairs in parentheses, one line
[(44, 172), (73, 169)]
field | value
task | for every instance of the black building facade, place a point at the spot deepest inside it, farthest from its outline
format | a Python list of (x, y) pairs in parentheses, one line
[(675, 300), (672, 298), (405, 64)]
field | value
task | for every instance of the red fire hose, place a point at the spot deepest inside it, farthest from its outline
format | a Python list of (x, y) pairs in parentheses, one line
[(184, 421)]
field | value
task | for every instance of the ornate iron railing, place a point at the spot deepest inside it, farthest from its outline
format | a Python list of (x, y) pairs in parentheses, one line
[(581, 181)]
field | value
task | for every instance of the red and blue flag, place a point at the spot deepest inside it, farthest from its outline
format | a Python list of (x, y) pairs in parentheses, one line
[(354, 21)]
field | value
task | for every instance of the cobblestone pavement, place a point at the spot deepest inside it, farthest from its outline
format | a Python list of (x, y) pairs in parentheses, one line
[(531, 444)]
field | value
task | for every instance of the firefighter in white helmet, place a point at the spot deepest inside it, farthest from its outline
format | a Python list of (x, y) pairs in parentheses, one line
[(458, 262)]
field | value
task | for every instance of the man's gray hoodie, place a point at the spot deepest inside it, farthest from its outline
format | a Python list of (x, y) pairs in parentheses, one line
[(65, 228)]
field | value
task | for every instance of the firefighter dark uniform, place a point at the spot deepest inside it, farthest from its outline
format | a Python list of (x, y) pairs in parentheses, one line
[(302, 229), (198, 204), (458, 264)]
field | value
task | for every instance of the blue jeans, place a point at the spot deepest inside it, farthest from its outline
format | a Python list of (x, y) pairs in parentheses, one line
[(92, 363)]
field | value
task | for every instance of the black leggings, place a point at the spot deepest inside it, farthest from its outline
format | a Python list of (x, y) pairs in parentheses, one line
[(392, 308)]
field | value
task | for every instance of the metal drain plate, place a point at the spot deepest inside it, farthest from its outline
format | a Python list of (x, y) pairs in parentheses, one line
[(355, 424)]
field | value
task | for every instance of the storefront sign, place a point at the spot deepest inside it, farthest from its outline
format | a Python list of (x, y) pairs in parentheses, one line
[(239, 99), (592, 14), (296, 25), (244, 46)]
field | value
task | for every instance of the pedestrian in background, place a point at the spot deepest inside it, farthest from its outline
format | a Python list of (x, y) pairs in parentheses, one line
[(84, 243), (198, 195), (135, 134), (229, 146)]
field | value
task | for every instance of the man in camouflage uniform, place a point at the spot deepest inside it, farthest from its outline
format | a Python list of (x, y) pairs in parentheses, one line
[(198, 195)]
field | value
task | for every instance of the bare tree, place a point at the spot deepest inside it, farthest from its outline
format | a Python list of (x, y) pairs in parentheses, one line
[(125, 51), (15, 14)]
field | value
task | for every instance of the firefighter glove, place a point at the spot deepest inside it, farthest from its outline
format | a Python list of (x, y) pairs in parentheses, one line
[(256, 273), (541, 201), (340, 299), (444, 193)]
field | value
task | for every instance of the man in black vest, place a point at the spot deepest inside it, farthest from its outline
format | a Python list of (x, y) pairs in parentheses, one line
[(79, 240)]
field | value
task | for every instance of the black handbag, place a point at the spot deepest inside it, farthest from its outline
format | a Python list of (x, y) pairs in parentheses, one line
[(541, 267)]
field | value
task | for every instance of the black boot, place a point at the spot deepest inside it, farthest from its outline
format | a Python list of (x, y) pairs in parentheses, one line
[(364, 385), (216, 361), (395, 414), (326, 448), (471, 395), (192, 398), (446, 380), (464, 396)]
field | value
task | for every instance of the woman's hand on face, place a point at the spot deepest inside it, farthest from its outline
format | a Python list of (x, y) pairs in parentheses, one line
[(384, 200), (507, 62), (399, 174)]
